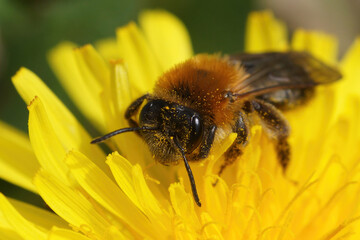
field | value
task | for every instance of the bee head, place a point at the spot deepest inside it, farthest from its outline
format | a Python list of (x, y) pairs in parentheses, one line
[(171, 131), (174, 122)]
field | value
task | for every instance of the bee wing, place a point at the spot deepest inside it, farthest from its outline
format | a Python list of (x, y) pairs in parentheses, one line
[(273, 71)]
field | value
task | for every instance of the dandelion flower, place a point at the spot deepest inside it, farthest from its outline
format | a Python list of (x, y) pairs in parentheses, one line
[(124, 196)]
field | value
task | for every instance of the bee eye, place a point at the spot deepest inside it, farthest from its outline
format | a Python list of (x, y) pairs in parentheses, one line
[(196, 133), (150, 114)]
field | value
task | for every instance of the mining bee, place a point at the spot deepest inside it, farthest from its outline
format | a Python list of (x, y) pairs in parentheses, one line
[(199, 102)]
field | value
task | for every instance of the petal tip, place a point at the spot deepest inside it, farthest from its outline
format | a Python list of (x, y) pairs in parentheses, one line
[(129, 25), (19, 73)]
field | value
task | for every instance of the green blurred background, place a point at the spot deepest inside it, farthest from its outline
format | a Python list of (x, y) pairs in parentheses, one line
[(29, 28)]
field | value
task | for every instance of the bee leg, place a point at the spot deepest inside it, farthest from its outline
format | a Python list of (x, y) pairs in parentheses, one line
[(276, 127), (241, 127), (133, 109)]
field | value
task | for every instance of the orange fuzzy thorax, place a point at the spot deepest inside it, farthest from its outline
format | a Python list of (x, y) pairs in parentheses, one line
[(201, 83)]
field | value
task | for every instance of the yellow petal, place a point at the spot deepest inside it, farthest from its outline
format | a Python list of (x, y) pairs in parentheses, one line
[(265, 33), (93, 67), (183, 204), (116, 99), (217, 151), (141, 62), (253, 151), (167, 36), (114, 233), (211, 229), (108, 49), (121, 169), (18, 163), (47, 147), (351, 70), (131, 180), (345, 132), (310, 139), (120, 91), (65, 234), (347, 90), (38, 216), (68, 130), (105, 192), (148, 201), (81, 68), (321, 45), (23, 227), (9, 234), (216, 198), (71, 205)]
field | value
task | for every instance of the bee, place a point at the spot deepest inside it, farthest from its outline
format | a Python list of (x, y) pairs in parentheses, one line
[(199, 102)]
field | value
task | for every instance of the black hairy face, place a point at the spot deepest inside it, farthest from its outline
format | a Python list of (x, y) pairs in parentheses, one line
[(173, 122)]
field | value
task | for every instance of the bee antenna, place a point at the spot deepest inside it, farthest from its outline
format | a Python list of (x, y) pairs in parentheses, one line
[(122, 130), (188, 169)]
